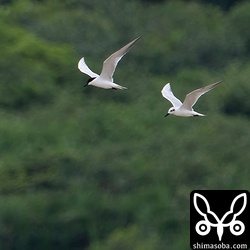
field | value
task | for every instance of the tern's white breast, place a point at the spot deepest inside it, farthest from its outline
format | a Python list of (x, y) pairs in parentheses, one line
[(98, 82), (183, 112)]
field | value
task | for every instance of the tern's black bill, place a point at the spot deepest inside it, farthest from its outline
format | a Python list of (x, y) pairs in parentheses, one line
[(86, 85), (166, 114)]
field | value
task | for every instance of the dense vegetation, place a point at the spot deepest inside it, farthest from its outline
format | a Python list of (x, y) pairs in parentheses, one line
[(86, 168)]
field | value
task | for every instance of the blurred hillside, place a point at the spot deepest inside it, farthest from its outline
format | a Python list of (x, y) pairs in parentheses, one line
[(87, 168)]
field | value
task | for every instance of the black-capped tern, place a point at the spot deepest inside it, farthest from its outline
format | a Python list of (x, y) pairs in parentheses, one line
[(105, 79)]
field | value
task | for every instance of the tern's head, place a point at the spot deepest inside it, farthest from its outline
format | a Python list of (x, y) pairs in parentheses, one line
[(170, 111), (89, 80)]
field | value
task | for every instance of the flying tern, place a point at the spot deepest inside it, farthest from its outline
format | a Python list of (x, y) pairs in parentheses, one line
[(185, 108), (105, 79)]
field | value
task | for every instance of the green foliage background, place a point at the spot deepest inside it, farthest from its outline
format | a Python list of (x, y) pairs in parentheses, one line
[(86, 168)]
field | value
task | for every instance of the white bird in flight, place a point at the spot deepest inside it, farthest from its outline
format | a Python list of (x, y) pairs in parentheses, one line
[(185, 108), (105, 79)]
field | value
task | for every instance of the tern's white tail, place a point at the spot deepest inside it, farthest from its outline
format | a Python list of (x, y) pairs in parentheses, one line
[(197, 114), (119, 87)]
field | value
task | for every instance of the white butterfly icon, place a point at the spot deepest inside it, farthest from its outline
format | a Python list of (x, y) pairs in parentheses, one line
[(236, 227)]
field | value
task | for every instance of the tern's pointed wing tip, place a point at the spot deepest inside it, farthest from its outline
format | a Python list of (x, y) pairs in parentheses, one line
[(166, 87), (138, 38), (82, 66), (168, 94), (109, 65), (81, 63), (128, 46), (209, 87), (216, 83), (81, 60)]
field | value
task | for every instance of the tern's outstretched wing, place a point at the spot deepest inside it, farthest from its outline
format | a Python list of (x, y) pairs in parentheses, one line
[(82, 66), (193, 96), (168, 94), (111, 62)]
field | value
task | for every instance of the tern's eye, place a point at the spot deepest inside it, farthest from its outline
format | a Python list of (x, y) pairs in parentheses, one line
[(172, 110)]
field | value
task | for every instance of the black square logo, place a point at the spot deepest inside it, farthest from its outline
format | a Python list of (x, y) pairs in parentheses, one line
[(219, 219)]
